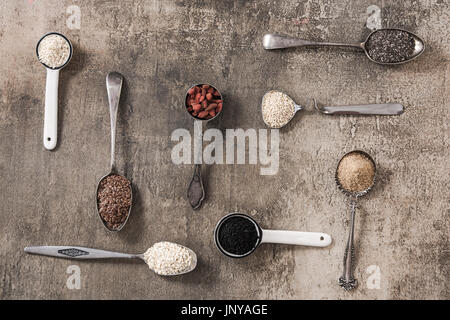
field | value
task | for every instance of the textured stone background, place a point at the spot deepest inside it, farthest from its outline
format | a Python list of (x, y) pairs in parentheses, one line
[(163, 47)]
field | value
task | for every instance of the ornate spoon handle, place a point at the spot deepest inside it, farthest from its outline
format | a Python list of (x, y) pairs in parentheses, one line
[(73, 252), (347, 280), (196, 191)]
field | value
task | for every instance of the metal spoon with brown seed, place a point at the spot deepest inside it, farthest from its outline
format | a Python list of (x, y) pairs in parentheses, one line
[(114, 87), (347, 280)]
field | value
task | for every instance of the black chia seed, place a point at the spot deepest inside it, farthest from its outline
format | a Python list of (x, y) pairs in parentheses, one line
[(390, 46), (238, 235)]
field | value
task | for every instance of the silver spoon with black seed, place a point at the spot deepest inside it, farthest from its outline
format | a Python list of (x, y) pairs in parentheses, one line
[(383, 46), (121, 184)]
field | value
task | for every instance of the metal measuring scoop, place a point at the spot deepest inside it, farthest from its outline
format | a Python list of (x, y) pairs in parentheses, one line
[(276, 41), (381, 109), (311, 239), (50, 137), (196, 190), (82, 253), (114, 87), (347, 280)]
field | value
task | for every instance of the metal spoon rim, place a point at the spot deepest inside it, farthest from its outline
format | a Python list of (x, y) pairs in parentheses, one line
[(113, 172), (219, 224), (186, 106), (358, 193), (199, 203), (417, 39)]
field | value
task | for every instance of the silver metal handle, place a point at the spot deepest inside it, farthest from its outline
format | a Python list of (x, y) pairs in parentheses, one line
[(114, 87), (382, 109), (347, 280), (72, 252), (277, 41)]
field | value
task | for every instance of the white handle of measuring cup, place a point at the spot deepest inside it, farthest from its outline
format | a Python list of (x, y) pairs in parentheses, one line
[(313, 239), (51, 109)]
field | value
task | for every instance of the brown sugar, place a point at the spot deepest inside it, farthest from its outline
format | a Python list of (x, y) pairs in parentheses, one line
[(355, 172)]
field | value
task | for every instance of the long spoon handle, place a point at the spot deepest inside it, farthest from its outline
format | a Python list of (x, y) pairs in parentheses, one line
[(312, 239), (276, 41), (70, 252), (196, 190), (382, 109), (347, 280), (51, 109), (114, 87)]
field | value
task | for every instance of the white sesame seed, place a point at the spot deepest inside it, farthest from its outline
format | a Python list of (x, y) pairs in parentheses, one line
[(277, 109), (53, 51), (168, 258)]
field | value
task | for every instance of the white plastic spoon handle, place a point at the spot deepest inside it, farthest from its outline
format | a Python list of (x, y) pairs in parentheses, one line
[(51, 109), (312, 239)]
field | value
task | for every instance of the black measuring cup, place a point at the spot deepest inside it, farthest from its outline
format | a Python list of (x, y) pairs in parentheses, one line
[(251, 235)]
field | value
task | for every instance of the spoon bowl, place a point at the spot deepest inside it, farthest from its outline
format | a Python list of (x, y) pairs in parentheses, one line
[(97, 202), (419, 47), (70, 50), (350, 193), (186, 103), (192, 267), (295, 108)]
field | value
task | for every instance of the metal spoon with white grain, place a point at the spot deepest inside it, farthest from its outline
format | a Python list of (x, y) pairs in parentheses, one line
[(83, 253), (380, 109)]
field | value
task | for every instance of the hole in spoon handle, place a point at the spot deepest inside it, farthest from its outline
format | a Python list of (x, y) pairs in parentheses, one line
[(313, 239)]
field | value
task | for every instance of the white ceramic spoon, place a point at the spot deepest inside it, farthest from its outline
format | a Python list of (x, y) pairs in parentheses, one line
[(51, 97), (311, 239)]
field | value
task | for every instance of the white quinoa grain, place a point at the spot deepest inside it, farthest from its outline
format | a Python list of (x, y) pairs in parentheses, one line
[(277, 109), (168, 258), (53, 51)]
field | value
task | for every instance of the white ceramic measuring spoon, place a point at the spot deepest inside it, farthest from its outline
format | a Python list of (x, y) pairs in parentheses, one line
[(311, 239), (51, 96)]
